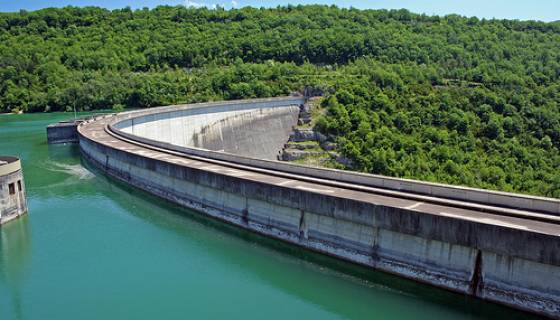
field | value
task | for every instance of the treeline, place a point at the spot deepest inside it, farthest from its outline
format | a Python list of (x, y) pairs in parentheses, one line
[(60, 89), (393, 121), (450, 99), (46, 52)]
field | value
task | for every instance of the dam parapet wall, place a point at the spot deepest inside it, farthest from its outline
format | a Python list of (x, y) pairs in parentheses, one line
[(472, 250)]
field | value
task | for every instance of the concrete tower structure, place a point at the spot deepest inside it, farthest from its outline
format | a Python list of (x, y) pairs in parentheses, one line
[(13, 202)]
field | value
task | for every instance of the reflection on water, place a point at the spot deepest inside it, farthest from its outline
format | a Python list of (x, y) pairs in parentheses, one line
[(15, 249)]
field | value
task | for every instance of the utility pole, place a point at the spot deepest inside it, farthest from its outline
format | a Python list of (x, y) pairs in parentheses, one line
[(74, 105)]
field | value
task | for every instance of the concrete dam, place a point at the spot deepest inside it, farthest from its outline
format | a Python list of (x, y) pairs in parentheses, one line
[(254, 130), (217, 158)]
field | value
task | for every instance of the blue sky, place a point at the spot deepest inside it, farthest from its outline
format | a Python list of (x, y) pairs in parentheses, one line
[(546, 10)]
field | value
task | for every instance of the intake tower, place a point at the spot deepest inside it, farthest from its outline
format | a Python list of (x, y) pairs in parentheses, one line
[(13, 202)]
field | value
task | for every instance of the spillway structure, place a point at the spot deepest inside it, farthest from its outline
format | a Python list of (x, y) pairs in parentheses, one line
[(218, 158), (13, 202)]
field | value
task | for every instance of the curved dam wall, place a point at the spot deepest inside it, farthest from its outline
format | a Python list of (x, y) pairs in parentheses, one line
[(204, 128), (257, 129), (509, 261)]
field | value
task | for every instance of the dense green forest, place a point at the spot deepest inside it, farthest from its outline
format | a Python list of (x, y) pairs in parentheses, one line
[(449, 99)]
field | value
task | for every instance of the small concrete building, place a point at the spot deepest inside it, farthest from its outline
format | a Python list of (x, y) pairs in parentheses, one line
[(63, 132), (13, 202)]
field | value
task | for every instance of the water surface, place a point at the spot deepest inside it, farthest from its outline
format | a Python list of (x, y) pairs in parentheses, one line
[(94, 248)]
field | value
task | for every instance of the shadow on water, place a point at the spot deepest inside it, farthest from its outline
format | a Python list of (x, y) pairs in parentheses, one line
[(173, 218)]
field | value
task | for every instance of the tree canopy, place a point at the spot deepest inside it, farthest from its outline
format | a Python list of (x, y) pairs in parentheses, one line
[(451, 99)]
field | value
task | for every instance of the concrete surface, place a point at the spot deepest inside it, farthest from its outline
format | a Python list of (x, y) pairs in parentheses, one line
[(488, 251), (257, 129), (62, 132), (13, 202), (383, 183)]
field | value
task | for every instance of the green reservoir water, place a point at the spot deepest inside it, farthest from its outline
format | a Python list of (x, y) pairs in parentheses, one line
[(93, 248)]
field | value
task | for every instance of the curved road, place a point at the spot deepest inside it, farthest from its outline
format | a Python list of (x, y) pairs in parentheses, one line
[(516, 219)]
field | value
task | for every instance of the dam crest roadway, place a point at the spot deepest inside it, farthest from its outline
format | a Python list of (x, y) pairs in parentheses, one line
[(217, 158)]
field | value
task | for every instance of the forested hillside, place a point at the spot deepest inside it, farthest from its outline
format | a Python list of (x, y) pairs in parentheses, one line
[(449, 99)]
